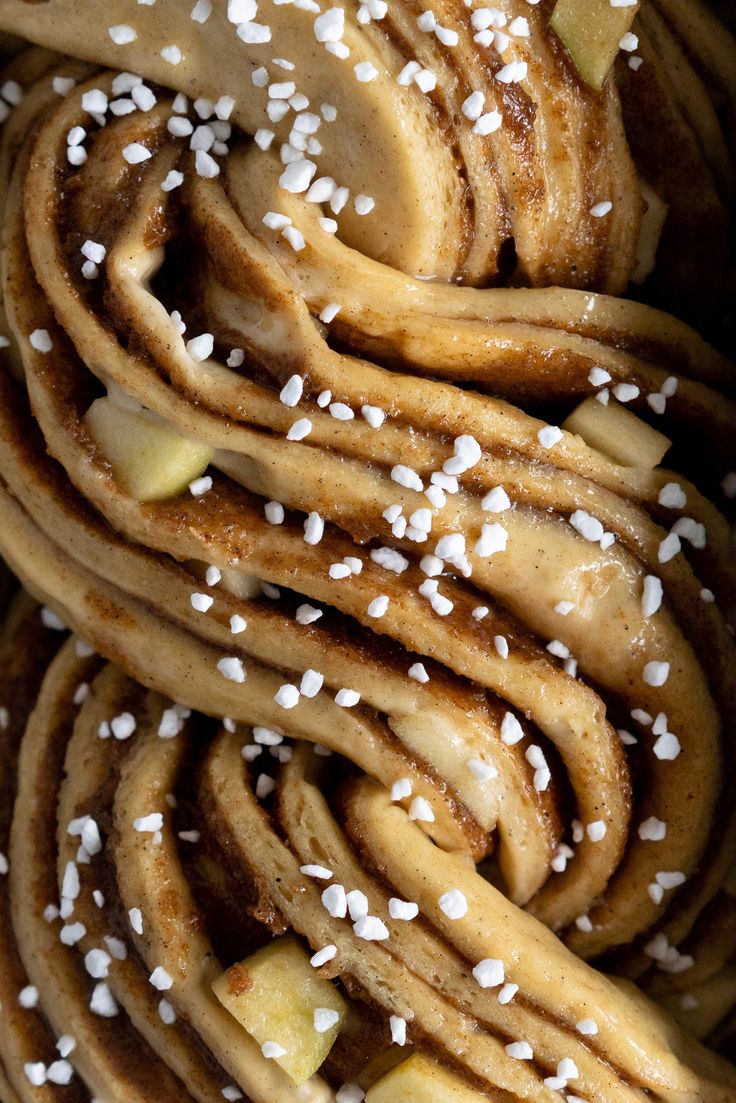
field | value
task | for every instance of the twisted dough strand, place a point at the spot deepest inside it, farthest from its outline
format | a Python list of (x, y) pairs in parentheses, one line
[(441, 362)]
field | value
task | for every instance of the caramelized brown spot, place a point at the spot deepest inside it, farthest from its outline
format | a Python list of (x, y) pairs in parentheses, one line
[(239, 980)]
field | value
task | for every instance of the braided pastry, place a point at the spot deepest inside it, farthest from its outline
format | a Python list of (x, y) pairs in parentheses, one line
[(475, 677)]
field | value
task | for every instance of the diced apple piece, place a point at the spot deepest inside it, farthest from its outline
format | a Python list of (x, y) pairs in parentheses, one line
[(241, 583), (274, 994), (420, 1080), (150, 460), (382, 1064), (591, 31), (650, 233), (617, 433)]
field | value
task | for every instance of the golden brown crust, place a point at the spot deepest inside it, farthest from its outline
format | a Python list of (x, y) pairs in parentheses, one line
[(579, 835)]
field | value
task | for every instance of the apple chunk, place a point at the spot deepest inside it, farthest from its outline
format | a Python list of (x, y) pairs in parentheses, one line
[(419, 1080), (150, 459), (650, 233), (617, 433), (591, 31), (274, 994)]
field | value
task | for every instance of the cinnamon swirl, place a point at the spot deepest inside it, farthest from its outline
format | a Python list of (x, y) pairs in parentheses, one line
[(390, 753)]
